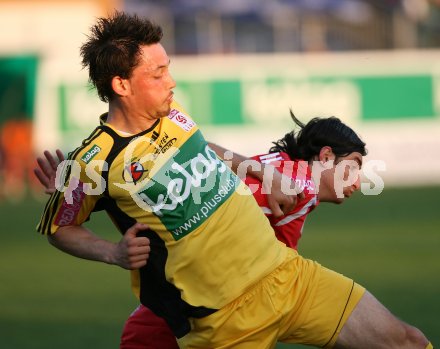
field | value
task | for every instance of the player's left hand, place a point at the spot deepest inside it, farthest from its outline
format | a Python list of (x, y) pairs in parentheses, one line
[(132, 251)]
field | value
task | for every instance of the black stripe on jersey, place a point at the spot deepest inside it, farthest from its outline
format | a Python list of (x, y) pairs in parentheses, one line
[(161, 296), (156, 293), (51, 207), (115, 135), (96, 132), (119, 144), (121, 220), (42, 226)]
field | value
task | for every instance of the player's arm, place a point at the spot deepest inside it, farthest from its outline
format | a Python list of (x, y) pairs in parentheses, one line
[(131, 252), (279, 202)]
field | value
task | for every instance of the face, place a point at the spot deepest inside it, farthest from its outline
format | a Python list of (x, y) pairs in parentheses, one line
[(151, 85), (340, 178)]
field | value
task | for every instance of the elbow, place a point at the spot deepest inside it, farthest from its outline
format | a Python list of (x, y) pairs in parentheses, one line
[(59, 237), (52, 239)]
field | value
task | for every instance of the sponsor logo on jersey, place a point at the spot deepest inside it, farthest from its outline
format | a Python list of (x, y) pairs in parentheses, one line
[(90, 154), (164, 144), (68, 212), (168, 145), (133, 172), (186, 191), (181, 120)]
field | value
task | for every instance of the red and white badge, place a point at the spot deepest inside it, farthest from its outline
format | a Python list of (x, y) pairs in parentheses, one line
[(181, 120)]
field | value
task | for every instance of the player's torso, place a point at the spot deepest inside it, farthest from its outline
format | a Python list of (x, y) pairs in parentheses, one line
[(170, 179), (289, 227)]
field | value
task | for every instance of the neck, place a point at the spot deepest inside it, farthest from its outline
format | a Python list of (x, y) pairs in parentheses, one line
[(130, 122)]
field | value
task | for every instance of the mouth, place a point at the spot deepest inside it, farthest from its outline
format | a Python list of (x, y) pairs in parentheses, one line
[(170, 98)]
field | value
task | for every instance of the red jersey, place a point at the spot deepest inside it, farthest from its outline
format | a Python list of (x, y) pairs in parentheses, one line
[(288, 228)]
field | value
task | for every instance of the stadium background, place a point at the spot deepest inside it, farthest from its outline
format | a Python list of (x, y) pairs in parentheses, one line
[(240, 65)]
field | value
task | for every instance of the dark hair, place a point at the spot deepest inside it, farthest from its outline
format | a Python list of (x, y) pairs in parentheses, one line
[(114, 47), (318, 133)]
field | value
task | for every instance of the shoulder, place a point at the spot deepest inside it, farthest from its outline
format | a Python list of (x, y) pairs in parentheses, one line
[(95, 147), (270, 158), (279, 160)]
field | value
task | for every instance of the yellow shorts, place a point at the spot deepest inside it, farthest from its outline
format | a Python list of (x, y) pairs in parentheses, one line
[(299, 302)]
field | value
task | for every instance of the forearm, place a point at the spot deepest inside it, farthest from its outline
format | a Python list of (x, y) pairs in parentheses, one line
[(80, 242), (240, 164), (280, 201)]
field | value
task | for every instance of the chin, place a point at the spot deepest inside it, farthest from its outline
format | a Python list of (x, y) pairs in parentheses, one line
[(165, 112)]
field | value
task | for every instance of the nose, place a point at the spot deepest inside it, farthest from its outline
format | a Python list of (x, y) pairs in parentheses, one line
[(171, 81)]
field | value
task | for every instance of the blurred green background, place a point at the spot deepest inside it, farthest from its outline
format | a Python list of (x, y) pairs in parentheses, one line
[(389, 243)]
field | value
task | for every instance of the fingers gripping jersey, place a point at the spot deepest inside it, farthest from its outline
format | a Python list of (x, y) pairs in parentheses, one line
[(209, 239), (288, 228)]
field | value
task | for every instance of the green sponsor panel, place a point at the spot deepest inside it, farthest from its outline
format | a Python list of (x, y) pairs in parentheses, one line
[(17, 87), (227, 102), (79, 108), (278, 80), (222, 102), (63, 105), (397, 97), (195, 97), (186, 191), (212, 102)]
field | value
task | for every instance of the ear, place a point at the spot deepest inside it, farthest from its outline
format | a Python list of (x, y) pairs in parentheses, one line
[(120, 86), (326, 154)]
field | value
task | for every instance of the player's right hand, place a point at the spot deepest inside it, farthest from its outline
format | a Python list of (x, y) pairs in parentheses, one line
[(282, 194), (132, 251), (47, 170)]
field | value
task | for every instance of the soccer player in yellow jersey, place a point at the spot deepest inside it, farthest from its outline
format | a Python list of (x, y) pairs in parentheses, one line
[(205, 257)]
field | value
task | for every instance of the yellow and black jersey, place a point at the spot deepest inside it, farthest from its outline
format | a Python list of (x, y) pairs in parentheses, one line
[(210, 240)]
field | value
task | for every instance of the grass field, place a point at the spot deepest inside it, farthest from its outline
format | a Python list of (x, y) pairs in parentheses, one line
[(389, 243)]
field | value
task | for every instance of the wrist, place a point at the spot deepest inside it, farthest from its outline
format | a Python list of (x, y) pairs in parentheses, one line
[(111, 254)]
